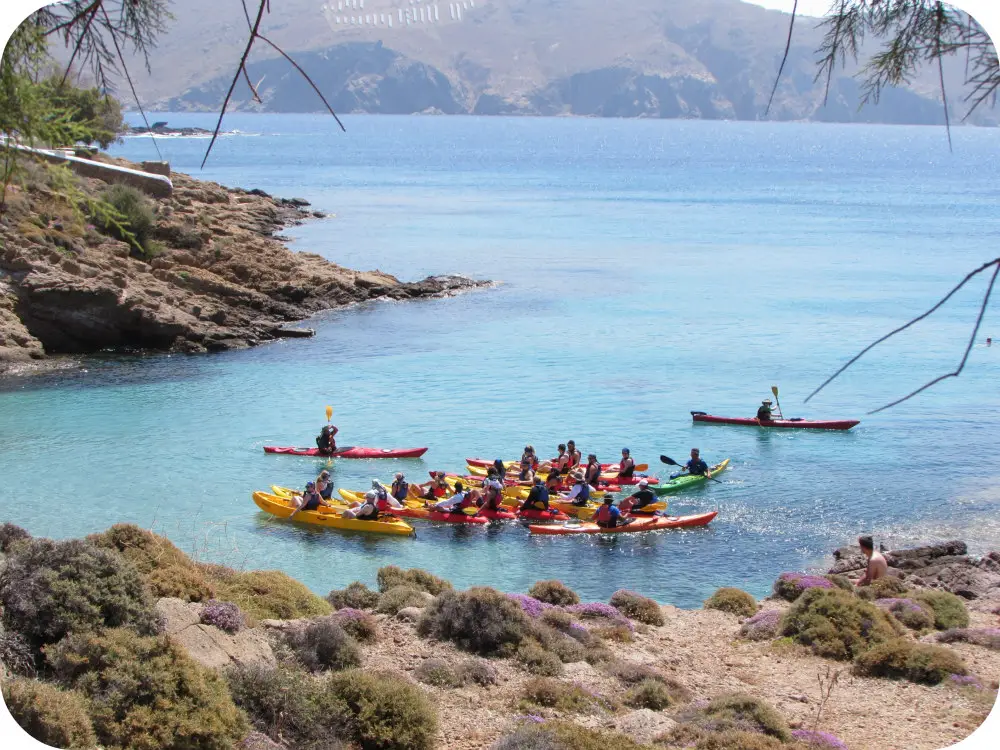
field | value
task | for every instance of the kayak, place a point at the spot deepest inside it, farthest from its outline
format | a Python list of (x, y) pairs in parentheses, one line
[(478, 472), (497, 515), (330, 517), (656, 523), (689, 480), (353, 452), (533, 514), (792, 424), (415, 509), (484, 463)]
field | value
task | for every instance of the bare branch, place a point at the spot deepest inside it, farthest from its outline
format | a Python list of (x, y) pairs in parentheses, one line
[(308, 79), (784, 57), (968, 348), (914, 321), (253, 89)]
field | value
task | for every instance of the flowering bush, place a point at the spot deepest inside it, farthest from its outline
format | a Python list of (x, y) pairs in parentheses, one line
[(790, 585), (965, 680), (223, 615), (762, 626), (986, 637), (359, 625), (913, 615), (554, 592), (820, 740), (599, 611), (531, 606), (637, 607)]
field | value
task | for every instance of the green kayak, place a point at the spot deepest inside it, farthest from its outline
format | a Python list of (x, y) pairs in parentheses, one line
[(688, 480)]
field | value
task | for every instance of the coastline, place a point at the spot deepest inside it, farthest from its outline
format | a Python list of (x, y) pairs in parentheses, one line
[(219, 275)]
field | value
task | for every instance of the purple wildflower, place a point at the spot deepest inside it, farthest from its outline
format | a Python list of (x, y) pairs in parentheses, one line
[(534, 718), (223, 615), (790, 584), (819, 739), (600, 610), (965, 681), (531, 606), (762, 626), (985, 637)]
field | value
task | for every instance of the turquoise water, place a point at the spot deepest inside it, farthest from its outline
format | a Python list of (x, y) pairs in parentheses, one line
[(648, 268)]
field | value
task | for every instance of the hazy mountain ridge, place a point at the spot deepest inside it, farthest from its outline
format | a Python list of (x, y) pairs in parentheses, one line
[(647, 58)]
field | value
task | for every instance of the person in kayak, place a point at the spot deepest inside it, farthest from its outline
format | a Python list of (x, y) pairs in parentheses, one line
[(640, 499), (432, 490), (626, 468), (593, 471), (529, 456), (364, 511), (492, 494), (527, 473), (383, 500), (500, 468), (325, 442), (608, 516), (764, 411), (400, 489), (553, 482), (574, 456), (311, 499), (538, 498), (580, 494), (559, 464), (697, 466), (324, 485), (877, 566), (457, 502)]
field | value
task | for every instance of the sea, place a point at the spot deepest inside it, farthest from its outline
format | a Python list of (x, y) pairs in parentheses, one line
[(643, 269)]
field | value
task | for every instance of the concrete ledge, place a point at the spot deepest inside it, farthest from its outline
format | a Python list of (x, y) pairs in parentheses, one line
[(159, 186)]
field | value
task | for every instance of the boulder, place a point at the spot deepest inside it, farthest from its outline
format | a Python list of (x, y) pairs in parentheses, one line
[(409, 614), (209, 645), (644, 725)]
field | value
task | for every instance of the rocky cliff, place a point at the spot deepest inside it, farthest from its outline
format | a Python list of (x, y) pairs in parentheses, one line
[(217, 277)]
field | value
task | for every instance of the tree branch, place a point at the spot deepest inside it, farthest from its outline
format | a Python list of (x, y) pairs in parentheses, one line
[(784, 57)]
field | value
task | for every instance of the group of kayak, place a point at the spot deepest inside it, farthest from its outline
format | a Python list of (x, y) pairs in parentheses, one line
[(538, 492)]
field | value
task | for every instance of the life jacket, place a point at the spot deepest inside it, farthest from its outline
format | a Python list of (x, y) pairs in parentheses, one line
[(764, 414), (593, 473), (584, 495), (372, 515), (628, 471), (492, 498), (324, 441), (603, 514), (310, 501), (574, 459), (400, 489), (465, 502)]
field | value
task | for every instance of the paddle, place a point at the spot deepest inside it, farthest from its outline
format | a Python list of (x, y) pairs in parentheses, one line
[(668, 460), (774, 390)]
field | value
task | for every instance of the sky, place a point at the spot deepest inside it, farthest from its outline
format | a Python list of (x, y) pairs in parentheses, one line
[(806, 7)]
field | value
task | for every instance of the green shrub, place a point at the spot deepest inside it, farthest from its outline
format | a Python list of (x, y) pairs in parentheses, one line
[(598, 655), (355, 596), (480, 620), (651, 694), (49, 589), (479, 671), (533, 657), (566, 649), (146, 693), (554, 592), (887, 587), (322, 645), (916, 662), (265, 594), (382, 711), (9, 534), (733, 601), (390, 576), (741, 713), (437, 672), (840, 581), (949, 610), (134, 222), (735, 740), (637, 607), (50, 715), (569, 698), (166, 570), (913, 614), (631, 674), (836, 624), (400, 597), (285, 703), (563, 735)]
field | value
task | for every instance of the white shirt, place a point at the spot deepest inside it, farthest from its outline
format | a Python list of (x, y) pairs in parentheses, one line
[(450, 502)]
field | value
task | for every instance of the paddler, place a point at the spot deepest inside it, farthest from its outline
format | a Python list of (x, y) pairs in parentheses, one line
[(383, 500), (593, 471), (574, 455), (457, 502), (311, 499), (764, 411), (325, 442), (529, 456), (697, 466), (364, 511), (608, 516), (527, 473), (500, 468), (538, 498), (492, 494), (559, 464), (400, 487), (433, 489), (626, 467), (553, 482), (324, 486), (640, 499), (580, 494)]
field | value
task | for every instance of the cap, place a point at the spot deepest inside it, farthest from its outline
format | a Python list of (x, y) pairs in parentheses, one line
[(399, 475), (376, 483), (370, 495), (625, 450), (310, 485), (643, 483)]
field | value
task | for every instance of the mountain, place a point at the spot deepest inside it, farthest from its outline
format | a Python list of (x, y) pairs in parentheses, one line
[(714, 59)]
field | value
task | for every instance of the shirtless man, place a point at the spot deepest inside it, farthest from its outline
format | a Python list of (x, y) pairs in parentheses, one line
[(877, 566)]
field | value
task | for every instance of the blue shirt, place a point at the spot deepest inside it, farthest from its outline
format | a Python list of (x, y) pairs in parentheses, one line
[(698, 467)]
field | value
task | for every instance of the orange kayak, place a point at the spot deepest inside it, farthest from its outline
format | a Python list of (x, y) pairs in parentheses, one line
[(657, 523)]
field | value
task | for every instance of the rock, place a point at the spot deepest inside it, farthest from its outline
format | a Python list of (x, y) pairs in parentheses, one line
[(915, 555), (580, 670), (209, 645), (294, 333), (644, 725), (409, 614), (259, 741)]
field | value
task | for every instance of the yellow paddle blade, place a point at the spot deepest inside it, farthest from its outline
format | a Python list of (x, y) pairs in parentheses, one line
[(774, 390), (329, 413)]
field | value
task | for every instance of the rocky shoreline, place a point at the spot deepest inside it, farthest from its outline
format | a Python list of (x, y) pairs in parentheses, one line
[(558, 674), (219, 276)]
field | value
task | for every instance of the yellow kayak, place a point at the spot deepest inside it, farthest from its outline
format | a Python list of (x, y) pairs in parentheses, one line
[(281, 507)]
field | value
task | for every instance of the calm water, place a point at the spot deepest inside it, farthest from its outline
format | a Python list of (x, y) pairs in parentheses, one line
[(649, 268)]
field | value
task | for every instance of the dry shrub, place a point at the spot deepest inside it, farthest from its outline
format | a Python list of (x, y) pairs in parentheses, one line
[(390, 576), (534, 658), (265, 594), (480, 620), (734, 601), (651, 694), (554, 592), (382, 711), (16, 654), (356, 596), (914, 615), (836, 624), (544, 692), (986, 637), (437, 672), (562, 735), (50, 715), (400, 597), (359, 625), (637, 607), (916, 662), (145, 693), (322, 645), (478, 671), (735, 712), (632, 674), (9, 534), (887, 587)]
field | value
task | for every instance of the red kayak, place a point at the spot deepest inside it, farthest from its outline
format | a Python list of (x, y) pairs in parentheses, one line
[(791, 424), (497, 515), (542, 515), (353, 452)]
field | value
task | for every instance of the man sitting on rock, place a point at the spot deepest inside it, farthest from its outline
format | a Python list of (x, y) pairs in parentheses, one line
[(877, 566)]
